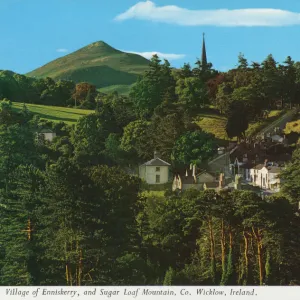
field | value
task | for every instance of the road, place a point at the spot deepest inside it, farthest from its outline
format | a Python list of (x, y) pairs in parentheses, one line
[(281, 122)]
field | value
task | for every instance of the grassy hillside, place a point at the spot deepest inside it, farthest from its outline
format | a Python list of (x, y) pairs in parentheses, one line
[(292, 127), (121, 89), (55, 113), (97, 63), (255, 128), (212, 122)]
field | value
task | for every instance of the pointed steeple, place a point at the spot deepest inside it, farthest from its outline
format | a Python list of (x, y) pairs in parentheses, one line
[(203, 57)]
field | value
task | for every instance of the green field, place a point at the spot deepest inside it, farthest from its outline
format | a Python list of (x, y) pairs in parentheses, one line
[(99, 64), (212, 122), (55, 113), (293, 126)]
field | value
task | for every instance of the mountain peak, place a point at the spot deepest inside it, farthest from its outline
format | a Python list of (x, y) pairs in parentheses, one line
[(97, 63), (101, 47)]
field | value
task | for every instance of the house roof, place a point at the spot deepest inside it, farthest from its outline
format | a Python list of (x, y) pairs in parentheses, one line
[(285, 157), (277, 137), (258, 167), (274, 170), (247, 165), (156, 162), (46, 130), (247, 150), (206, 172), (189, 179)]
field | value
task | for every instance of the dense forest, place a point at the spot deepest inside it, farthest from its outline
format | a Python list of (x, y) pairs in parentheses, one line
[(71, 213)]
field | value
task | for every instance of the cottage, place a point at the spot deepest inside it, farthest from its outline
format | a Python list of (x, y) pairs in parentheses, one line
[(46, 134), (205, 176), (155, 171), (187, 179)]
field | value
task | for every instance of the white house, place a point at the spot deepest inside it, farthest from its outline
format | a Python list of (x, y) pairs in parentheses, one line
[(155, 171), (266, 177), (47, 134)]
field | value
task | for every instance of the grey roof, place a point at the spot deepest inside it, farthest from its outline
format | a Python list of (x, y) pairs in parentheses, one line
[(156, 162), (186, 179), (45, 130), (206, 172), (259, 167), (276, 136), (274, 170)]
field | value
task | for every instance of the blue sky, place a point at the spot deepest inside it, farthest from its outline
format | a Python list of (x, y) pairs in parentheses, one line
[(34, 32)]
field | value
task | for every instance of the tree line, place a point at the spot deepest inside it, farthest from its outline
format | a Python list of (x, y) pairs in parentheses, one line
[(242, 94)]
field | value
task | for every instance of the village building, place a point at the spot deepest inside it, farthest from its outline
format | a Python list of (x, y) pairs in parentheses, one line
[(188, 178), (155, 171), (202, 181), (266, 176), (260, 164), (46, 134), (217, 185), (277, 138)]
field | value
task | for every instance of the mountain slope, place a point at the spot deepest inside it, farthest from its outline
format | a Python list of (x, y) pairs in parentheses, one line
[(97, 63)]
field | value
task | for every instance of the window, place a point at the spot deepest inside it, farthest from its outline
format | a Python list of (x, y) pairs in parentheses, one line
[(157, 169), (157, 178)]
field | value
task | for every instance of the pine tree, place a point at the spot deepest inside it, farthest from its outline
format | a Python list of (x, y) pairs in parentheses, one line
[(169, 277), (18, 220)]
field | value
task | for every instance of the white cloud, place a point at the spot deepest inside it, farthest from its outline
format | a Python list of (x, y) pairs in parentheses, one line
[(172, 14), (62, 50), (148, 55)]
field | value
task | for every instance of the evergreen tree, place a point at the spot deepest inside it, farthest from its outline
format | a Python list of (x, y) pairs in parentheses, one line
[(169, 277)]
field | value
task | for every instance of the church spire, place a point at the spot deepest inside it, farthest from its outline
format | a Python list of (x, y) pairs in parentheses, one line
[(203, 58)]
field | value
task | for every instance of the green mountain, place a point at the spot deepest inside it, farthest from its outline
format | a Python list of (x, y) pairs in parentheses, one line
[(99, 64)]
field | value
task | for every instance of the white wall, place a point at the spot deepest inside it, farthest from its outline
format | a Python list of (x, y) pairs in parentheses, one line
[(263, 177), (148, 173), (49, 136), (142, 172)]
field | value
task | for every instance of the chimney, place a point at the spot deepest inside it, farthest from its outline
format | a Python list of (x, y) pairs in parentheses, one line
[(266, 162), (156, 154), (237, 182), (194, 173), (221, 181)]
